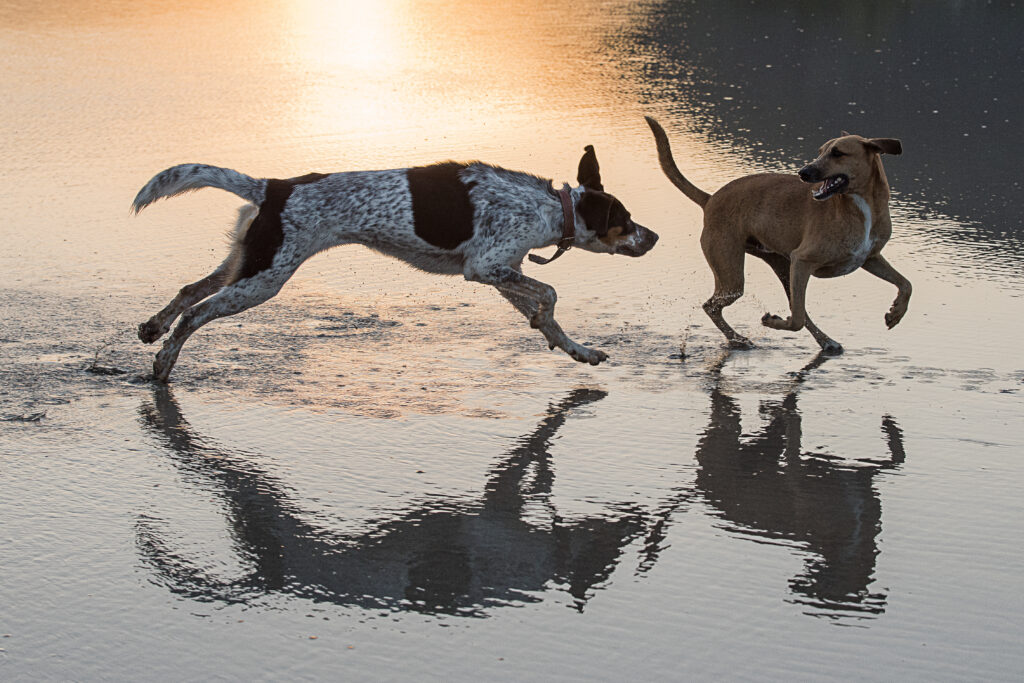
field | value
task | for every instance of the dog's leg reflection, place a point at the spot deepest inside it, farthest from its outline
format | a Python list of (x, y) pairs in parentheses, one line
[(764, 485), (439, 555)]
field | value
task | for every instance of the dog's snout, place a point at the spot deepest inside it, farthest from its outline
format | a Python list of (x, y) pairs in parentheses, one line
[(809, 174), (646, 238), (652, 237), (639, 242)]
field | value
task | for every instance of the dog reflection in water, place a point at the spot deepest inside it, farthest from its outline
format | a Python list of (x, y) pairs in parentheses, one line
[(442, 557), (461, 558), (766, 488)]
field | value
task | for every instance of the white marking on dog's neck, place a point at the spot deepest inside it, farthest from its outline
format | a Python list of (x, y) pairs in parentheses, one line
[(575, 194), (866, 211)]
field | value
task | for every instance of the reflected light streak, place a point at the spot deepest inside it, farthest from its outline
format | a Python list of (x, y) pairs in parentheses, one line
[(453, 67), (350, 34)]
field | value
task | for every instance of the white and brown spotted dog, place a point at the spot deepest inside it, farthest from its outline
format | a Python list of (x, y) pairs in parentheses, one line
[(472, 219)]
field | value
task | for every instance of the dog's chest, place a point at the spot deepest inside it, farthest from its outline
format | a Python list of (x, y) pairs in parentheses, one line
[(858, 242)]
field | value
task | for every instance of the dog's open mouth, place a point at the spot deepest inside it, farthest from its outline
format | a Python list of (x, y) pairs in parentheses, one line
[(834, 185)]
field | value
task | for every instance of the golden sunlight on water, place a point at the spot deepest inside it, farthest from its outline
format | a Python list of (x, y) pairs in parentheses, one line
[(353, 36), (281, 87), (469, 72)]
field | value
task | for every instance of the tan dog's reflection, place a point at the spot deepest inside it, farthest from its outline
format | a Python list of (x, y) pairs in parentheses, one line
[(767, 488), (439, 557)]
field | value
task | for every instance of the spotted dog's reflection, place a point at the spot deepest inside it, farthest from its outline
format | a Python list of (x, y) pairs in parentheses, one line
[(768, 489), (439, 558)]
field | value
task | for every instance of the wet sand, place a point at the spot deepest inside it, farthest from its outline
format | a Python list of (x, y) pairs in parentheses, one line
[(387, 474)]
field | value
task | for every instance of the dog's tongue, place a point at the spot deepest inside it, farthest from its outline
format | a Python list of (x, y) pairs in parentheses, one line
[(827, 187)]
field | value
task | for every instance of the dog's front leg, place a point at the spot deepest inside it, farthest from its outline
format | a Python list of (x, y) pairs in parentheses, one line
[(799, 274), (536, 301), (879, 267)]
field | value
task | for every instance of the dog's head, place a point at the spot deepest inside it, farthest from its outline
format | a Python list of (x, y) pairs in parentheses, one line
[(846, 164), (609, 228)]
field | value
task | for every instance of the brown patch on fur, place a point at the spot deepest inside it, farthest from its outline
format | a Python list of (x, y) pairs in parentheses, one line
[(611, 238), (263, 235)]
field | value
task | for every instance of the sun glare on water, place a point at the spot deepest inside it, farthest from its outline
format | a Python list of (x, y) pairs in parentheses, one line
[(457, 68), (351, 34)]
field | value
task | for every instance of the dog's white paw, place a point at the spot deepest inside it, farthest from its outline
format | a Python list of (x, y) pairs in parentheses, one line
[(777, 323)]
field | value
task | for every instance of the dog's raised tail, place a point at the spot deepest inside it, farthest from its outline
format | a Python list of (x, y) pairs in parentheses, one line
[(668, 165), (188, 177)]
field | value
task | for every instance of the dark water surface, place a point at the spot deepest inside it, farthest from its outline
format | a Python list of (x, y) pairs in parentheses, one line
[(385, 475)]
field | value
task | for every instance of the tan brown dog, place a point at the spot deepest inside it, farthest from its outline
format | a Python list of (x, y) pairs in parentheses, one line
[(839, 227)]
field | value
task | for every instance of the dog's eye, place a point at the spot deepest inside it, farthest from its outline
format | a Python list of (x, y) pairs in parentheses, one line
[(837, 153)]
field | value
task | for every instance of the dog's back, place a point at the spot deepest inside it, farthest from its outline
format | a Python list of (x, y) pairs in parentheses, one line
[(759, 207)]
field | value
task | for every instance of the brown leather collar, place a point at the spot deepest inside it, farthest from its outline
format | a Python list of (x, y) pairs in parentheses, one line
[(568, 228)]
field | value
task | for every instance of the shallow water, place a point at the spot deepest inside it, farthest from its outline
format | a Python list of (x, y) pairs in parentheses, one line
[(387, 474)]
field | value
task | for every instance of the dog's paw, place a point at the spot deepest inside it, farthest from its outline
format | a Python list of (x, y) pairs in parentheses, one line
[(777, 323), (160, 372), (894, 316), (582, 354), (774, 321), (741, 343), (830, 347), (150, 331), (163, 362)]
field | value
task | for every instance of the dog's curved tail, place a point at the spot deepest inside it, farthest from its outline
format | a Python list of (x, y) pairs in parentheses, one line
[(668, 165), (188, 177)]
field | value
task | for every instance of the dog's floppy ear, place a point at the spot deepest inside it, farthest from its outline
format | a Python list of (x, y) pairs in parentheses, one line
[(885, 145), (596, 210), (589, 173)]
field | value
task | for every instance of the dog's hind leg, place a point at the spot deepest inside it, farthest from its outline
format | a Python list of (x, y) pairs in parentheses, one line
[(191, 294), (728, 272), (233, 298), (714, 306), (780, 264)]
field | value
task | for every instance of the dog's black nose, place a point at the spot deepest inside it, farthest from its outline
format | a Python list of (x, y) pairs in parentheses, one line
[(809, 174), (650, 238)]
